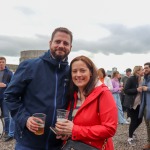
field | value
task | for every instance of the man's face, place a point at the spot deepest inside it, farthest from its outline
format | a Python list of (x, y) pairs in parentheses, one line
[(61, 45), (2, 64), (128, 74), (146, 70)]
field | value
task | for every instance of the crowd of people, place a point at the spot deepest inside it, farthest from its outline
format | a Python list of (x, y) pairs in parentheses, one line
[(96, 102)]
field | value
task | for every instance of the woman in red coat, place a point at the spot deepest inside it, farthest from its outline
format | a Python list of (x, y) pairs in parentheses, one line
[(95, 112)]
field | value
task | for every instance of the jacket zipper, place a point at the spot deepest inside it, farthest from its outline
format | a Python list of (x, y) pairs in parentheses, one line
[(54, 107)]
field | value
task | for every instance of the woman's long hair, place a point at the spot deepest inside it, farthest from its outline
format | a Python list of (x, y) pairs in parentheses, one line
[(103, 72), (114, 74), (136, 69)]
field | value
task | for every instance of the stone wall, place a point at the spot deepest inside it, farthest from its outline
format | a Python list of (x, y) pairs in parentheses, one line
[(12, 67), (28, 54), (24, 55)]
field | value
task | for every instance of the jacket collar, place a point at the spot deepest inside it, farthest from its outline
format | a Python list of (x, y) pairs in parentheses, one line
[(50, 59), (93, 96)]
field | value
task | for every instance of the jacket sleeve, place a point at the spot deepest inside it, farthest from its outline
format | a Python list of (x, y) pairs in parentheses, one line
[(7, 77), (109, 84), (130, 86), (14, 93), (108, 121), (115, 87)]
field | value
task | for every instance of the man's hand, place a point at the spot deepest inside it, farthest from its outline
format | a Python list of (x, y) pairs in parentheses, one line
[(32, 125), (145, 88), (62, 137), (2, 85)]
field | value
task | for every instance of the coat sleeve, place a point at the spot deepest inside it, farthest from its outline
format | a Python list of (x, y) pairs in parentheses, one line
[(115, 86), (148, 89), (108, 121), (109, 84), (14, 93), (130, 86), (7, 77)]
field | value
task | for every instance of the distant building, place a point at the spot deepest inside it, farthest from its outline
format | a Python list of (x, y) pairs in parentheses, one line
[(29, 54), (12, 67), (114, 69), (24, 55), (109, 72)]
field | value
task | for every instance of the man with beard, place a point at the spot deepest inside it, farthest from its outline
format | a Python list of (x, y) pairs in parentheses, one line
[(145, 104), (40, 86)]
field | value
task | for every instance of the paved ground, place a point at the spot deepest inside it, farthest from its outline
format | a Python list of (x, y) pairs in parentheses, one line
[(120, 139)]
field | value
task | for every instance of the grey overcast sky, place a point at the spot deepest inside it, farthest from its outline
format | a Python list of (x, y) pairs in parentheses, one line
[(112, 33)]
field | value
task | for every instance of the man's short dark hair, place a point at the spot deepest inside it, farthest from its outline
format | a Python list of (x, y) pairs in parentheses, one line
[(148, 63), (2, 58), (62, 29), (128, 70)]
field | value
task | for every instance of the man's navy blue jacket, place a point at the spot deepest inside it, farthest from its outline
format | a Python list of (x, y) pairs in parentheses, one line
[(6, 79), (38, 86)]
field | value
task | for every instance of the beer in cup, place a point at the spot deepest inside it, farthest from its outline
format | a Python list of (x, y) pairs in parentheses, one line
[(62, 115), (40, 119)]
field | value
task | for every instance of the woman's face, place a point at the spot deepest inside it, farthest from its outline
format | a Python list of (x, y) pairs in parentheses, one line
[(80, 74), (140, 72), (117, 75)]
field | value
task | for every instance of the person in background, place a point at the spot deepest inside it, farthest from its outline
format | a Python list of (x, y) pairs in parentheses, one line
[(5, 77), (133, 87), (90, 98), (109, 75), (40, 86), (117, 88), (145, 103), (122, 94), (105, 79)]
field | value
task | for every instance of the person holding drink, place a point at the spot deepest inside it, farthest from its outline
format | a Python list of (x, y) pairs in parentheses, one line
[(145, 103), (93, 108), (133, 90), (39, 118), (40, 86)]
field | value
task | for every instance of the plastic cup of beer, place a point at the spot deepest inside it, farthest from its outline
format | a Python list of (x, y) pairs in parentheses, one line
[(62, 115), (40, 119)]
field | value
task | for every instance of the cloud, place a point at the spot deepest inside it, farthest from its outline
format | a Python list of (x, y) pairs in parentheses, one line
[(24, 10), (120, 40), (12, 46)]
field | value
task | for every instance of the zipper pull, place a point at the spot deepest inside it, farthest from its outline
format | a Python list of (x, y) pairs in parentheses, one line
[(21, 134)]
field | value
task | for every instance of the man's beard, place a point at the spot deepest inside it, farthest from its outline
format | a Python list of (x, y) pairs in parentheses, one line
[(59, 58)]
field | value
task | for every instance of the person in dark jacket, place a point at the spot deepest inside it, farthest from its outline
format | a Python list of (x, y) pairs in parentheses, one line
[(5, 77), (122, 94), (40, 86), (132, 88), (145, 103)]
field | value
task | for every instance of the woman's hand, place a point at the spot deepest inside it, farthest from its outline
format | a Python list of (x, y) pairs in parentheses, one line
[(64, 127), (139, 89), (62, 137)]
